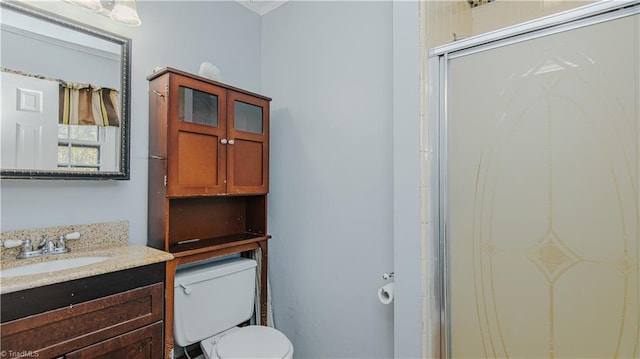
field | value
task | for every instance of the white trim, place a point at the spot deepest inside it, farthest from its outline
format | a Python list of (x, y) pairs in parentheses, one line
[(262, 7), (561, 18)]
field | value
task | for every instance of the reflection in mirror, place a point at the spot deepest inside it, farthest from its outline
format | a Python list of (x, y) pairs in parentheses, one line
[(65, 89)]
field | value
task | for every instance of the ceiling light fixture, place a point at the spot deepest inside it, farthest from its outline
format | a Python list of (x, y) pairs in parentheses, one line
[(93, 5), (124, 11)]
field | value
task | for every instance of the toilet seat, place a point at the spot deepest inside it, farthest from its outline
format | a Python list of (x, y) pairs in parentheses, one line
[(252, 341)]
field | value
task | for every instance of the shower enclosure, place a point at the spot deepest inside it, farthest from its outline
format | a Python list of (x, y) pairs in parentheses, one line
[(539, 156)]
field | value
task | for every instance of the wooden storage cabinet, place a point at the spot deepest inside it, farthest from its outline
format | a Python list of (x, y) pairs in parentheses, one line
[(208, 163), (115, 315), (208, 174), (213, 137)]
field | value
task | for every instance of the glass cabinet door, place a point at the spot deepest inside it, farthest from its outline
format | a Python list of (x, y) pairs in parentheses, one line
[(197, 147), (248, 150), (197, 106), (248, 117)]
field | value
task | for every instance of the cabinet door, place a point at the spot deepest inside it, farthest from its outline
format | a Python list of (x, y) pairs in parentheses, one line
[(248, 146), (197, 128), (143, 343)]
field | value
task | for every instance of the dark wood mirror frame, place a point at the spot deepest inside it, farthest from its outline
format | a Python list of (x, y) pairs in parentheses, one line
[(125, 44)]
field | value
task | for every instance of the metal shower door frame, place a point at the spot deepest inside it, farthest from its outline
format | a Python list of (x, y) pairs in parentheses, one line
[(439, 327)]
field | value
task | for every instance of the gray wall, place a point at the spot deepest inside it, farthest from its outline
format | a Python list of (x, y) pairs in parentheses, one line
[(178, 34), (328, 67)]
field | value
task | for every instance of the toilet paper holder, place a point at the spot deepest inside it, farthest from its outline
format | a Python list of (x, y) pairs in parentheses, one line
[(387, 276)]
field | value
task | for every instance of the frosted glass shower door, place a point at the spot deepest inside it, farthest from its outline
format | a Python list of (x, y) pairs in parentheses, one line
[(543, 156)]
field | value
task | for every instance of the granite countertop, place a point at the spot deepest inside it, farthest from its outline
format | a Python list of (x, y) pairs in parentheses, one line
[(122, 256)]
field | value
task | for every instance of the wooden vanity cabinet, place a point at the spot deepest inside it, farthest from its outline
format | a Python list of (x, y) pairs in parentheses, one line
[(114, 315), (208, 163), (141, 343)]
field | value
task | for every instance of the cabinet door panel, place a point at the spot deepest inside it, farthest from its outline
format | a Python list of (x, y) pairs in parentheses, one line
[(248, 155), (143, 343), (197, 161), (197, 132)]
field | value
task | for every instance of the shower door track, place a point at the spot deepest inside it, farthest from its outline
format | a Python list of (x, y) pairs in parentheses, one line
[(438, 327)]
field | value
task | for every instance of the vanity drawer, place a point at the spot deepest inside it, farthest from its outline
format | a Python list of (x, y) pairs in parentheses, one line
[(143, 343), (60, 331)]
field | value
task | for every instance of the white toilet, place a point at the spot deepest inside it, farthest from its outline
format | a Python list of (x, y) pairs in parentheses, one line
[(211, 300)]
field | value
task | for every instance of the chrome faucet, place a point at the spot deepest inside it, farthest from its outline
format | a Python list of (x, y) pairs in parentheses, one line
[(46, 246)]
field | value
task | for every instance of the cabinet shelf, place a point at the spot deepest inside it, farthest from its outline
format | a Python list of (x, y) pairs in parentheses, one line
[(205, 245)]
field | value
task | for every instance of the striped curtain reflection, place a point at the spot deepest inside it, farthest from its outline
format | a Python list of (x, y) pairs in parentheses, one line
[(84, 104)]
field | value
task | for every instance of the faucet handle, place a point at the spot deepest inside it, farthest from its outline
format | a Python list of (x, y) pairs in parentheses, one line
[(72, 235), (10, 243), (27, 248), (65, 237)]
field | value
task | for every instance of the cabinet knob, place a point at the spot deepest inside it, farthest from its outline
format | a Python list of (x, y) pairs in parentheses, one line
[(223, 141), (231, 142)]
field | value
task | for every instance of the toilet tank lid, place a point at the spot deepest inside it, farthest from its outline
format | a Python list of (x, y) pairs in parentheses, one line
[(199, 273)]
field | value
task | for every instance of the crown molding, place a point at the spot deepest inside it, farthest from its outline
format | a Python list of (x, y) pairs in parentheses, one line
[(261, 7)]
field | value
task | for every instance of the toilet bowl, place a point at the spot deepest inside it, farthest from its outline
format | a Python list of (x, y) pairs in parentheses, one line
[(211, 300), (248, 342)]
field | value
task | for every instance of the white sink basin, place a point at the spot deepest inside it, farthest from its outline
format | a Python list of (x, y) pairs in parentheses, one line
[(50, 266)]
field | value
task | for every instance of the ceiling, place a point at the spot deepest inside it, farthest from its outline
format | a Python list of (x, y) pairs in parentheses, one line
[(261, 7)]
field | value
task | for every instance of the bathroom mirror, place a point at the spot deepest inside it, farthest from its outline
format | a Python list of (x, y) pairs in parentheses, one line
[(65, 97)]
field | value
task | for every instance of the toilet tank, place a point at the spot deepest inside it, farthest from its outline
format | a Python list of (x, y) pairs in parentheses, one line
[(213, 297)]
